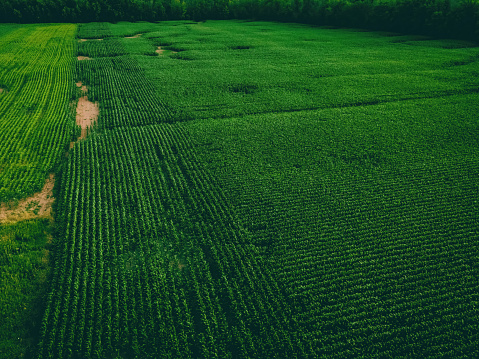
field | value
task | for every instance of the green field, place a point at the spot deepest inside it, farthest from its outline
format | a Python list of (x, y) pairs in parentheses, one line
[(258, 190), (36, 80)]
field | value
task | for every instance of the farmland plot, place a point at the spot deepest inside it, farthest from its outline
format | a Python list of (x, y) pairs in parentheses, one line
[(153, 264), (36, 124), (264, 67), (36, 78), (367, 216), (244, 197)]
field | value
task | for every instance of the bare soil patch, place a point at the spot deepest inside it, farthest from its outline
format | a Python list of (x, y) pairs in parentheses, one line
[(133, 37), (37, 206), (1, 90), (81, 58), (83, 40), (83, 88), (87, 115)]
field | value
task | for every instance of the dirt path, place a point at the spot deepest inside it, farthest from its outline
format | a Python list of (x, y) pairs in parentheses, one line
[(87, 115), (37, 206), (81, 58), (133, 37)]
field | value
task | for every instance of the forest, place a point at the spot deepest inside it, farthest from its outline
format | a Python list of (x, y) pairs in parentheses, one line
[(441, 18)]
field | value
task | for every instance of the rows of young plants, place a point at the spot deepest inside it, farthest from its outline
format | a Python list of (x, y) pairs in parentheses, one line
[(342, 232), (262, 67), (150, 260), (95, 48), (94, 30), (367, 217), (36, 77), (127, 97)]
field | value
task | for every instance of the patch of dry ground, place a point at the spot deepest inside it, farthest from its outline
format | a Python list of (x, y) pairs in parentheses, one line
[(81, 58), (133, 37), (86, 113), (37, 206), (83, 88), (83, 40)]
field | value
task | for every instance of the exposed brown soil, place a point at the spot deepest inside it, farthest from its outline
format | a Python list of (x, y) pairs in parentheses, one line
[(1, 90), (83, 88), (37, 206), (133, 37), (87, 115), (81, 58), (83, 40)]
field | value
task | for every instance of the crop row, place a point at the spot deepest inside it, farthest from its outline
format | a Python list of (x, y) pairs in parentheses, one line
[(359, 268), (36, 77), (219, 74), (155, 255), (94, 48), (127, 97), (93, 30), (369, 229), (150, 261)]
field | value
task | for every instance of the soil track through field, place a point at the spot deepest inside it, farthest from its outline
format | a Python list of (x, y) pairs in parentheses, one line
[(37, 206), (133, 37), (81, 58), (86, 113)]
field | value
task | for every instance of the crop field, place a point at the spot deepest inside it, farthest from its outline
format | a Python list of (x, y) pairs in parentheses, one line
[(35, 79), (247, 189)]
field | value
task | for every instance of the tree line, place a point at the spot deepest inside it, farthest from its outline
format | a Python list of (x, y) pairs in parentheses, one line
[(443, 18)]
